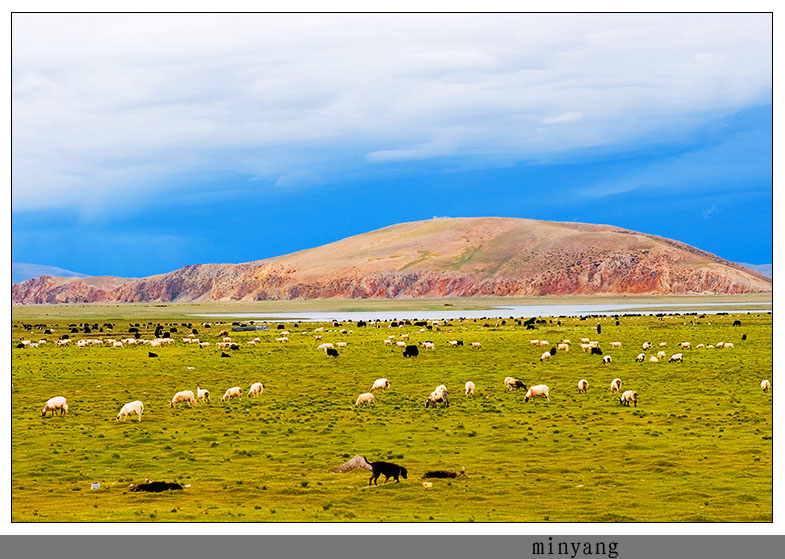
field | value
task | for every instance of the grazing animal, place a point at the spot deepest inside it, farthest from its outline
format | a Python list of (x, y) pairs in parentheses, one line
[(615, 385), (440, 394), (156, 486), (256, 389), (744, 337), (364, 400), (388, 470), (332, 352), (184, 396), (151, 354), (537, 390), (469, 388), (224, 354), (765, 385), (131, 408), (737, 323), (478, 345), (646, 345), (202, 394), (545, 356), (660, 355), (627, 397), (233, 392), (511, 383), (641, 357), (616, 345), (583, 386), (653, 359), (596, 351), (58, 403), (676, 357), (440, 474), (411, 351), (380, 384), (606, 360), (563, 347)]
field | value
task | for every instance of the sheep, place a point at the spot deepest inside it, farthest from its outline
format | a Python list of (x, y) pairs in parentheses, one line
[(685, 345), (440, 394), (653, 359), (728, 345), (256, 389), (583, 386), (117, 344), (534, 342), (58, 403), (765, 385), (627, 397), (615, 385), (411, 351), (660, 355), (184, 396), (387, 342), (469, 389), (511, 383), (364, 400), (401, 344), (538, 390), (699, 346), (563, 347), (616, 345), (233, 392), (641, 357), (544, 343), (131, 408), (324, 346), (426, 345), (584, 340), (646, 345), (340, 344), (606, 360), (282, 339), (202, 394), (585, 347), (719, 345), (545, 356), (453, 343), (380, 384), (663, 344), (478, 345), (676, 357)]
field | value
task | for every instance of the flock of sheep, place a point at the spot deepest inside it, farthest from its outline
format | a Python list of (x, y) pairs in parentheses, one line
[(440, 394)]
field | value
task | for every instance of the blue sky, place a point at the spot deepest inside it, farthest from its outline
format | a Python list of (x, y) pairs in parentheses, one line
[(145, 143)]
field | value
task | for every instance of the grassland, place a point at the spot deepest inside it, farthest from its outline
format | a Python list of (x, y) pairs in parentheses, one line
[(697, 448)]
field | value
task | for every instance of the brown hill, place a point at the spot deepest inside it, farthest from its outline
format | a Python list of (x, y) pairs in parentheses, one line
[(435, 258)]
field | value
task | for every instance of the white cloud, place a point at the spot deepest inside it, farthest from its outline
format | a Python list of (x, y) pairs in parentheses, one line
[(108, 105)]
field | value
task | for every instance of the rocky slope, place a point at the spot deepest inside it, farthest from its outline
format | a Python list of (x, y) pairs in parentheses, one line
[(435, 258)]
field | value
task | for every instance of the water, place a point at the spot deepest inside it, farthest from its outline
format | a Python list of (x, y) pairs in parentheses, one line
[(493, 312)]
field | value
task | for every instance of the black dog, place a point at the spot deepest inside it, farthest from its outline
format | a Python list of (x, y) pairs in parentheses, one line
[(387, 469)]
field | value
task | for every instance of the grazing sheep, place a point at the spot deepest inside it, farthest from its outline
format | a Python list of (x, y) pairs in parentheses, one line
[(340, 344), (131, 408), (663, 344), (537, 390), (676, 357), (440, 394), (58, 403), (653, 359), (765, 385), (400, 344), (380, 384), (545, 356), (387, 342), (641, 357), (544, 343), (202, 394), (606, 360), (325, 346), (427, 345), (233, 392), (364, 400), (615, 385), (478, 345), (616, 345), (627, 397), (585, 347), (256, 389), (469, 389), (184, 396), (534, 342), (646, 345), (563, 347), (511, 383), (685, 345), (728, 345), (583, 386), (699, 346), (660, 355)]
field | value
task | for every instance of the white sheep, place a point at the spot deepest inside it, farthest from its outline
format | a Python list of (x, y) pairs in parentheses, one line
[(469, 389), (765, 385), (653, 359), (676, 357), (340, 344), (545, 356), (534, 342), (440, 394), (184, 396), (615, 385), (663, 344), (537, 390), (256, 389), (583, 386), (400, 344), (728, 345), (627, 397), (563, 347), (616, 345), (131, 408), (476, 345), (585, 346), (660, 355), (380, 384), (202, 394), (646, 345), (364, 400), (640, 357), (58, 403), (233, 392), (325, 346), (685, 345)]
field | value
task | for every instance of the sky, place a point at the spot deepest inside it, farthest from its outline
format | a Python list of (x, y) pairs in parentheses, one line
[(142, 143)]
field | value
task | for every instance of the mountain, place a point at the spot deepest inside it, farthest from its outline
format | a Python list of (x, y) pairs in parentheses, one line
[(435, 258), (21, 271), (764, 269)]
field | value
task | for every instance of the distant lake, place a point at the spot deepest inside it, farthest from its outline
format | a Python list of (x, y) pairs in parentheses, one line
[(498, 312)]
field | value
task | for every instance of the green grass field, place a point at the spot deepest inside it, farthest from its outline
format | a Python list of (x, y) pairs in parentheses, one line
[(697, 448)]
